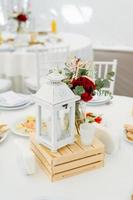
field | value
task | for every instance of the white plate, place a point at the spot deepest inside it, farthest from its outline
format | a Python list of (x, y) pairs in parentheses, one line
[(17, 107), (4, 136), (99, 100), (14, 106), (22, 99)]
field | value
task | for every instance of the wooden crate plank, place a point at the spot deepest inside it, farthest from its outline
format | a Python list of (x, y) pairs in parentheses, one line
[(45, 170), (96, 144), (65, 151), (41, 157), (48, 154), (77, 171), (78, 163), (84, 147), (85, 151), (74, 148), (75, 156)]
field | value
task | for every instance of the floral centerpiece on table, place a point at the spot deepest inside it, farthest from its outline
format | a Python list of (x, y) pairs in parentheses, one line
[(21, 18), (80, 77)]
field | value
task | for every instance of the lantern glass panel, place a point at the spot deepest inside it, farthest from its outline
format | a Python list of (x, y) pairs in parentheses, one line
[(46, 123), (63, 122)]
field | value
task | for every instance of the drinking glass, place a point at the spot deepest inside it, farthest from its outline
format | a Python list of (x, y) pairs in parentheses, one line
[(87, 132)]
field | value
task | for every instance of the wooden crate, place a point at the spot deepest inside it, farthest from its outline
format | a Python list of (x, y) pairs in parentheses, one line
[(69, 160)]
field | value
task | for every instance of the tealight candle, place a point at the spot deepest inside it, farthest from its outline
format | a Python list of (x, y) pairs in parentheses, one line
[(87, 132)]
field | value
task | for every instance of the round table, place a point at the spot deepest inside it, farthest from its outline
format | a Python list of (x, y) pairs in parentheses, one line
[(112, 182), (15, 62)]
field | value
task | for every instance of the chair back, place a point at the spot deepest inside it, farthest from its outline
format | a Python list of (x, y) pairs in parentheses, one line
[(102, 68), (49, 59)]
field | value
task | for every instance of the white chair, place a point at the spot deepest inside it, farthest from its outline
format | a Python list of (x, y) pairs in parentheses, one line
[(46, 60), (5, 85), (101, 70)]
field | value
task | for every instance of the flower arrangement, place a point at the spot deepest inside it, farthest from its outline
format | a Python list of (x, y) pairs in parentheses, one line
[(91, 117), (21, 18), (80, 78)]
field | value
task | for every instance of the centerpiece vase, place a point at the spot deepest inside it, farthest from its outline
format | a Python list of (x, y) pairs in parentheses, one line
[(20, 27), (79, 115)]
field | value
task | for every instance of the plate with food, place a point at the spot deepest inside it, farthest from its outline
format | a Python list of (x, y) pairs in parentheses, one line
[(3, 131), (26, 126), (128, 133)]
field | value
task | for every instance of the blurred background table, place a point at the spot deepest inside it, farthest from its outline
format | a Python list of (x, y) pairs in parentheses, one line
[(16, 60)]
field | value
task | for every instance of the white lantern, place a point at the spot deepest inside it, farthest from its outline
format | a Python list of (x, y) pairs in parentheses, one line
[(55, 120)]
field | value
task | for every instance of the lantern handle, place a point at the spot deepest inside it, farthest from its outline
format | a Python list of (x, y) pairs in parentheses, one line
[(55, 77)]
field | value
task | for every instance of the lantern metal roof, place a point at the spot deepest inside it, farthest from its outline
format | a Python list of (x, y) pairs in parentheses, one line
[(54, 91)]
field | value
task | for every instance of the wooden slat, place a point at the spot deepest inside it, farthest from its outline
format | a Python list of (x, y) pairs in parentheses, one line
[(74, 148), (48, 154), (69, 173), (42, 158), (45, 170), (78, 163), (77, 171), (75, 156), (65, 151)]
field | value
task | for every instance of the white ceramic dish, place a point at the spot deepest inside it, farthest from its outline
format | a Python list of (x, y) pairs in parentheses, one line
[(99, 100), (16, 107)]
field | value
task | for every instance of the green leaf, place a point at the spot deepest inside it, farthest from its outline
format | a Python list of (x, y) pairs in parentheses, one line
[(99, 84), (82, 72), (111, 74), (105, 82), (79, 90)]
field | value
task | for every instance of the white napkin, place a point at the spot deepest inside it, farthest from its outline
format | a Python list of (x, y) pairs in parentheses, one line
[(11, 98), (108, 137), (25, 157)]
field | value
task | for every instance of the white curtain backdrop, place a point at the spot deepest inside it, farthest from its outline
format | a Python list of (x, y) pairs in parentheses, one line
[(110, 23)]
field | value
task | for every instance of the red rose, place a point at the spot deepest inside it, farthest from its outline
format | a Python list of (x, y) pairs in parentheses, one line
[(88, 86), (86, 97), (22, 17), (98, 120), (83, 81)]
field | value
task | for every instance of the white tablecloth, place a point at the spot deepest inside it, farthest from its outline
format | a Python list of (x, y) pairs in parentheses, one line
[(112, 182)]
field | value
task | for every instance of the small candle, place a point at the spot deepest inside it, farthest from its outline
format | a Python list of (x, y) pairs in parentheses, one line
[(53, 26)]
